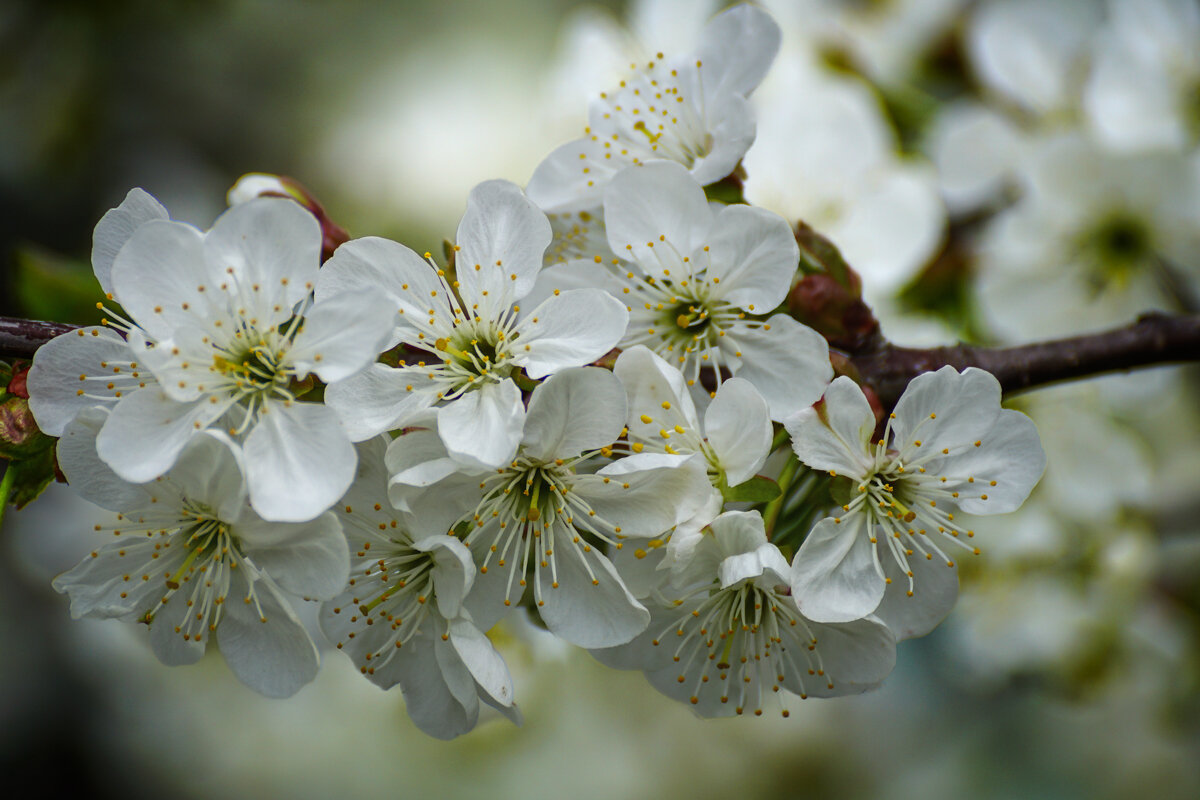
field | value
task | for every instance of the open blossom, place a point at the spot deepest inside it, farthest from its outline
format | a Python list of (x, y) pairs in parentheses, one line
[(469, 332), (190, 559), (699, 286), (224, 323), (542, 519), (402, 619), (728, 635), (690, 109), (733, 438), (947, 448)]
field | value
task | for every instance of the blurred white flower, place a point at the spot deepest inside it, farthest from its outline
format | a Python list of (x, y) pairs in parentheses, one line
[(825, 154), (690, 109), (1144, 88), (1101, 238)]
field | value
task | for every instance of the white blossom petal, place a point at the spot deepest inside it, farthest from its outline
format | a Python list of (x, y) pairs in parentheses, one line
[(788, 364), (737, 425), (834, 577), (569, 329), (754, 255), (590, 607), (116, 226), (298, 461), (575, 411), (483, 427), (502, 235), (838, 436), (308, 559), (379, 399), (655, 215), (75, 371), (147, 431)]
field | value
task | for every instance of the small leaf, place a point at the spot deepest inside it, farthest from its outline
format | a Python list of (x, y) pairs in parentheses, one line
[(758, 489), (31, 476)]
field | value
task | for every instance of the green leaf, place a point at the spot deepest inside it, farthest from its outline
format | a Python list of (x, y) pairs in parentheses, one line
[(758, 489), (31, 477), (50, 286)]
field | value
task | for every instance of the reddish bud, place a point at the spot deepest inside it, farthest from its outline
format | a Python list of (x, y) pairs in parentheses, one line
[(261, 184), (18, 383)]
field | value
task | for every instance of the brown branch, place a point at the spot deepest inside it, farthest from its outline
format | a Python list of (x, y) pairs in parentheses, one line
[(1154, 339), (20, 338)]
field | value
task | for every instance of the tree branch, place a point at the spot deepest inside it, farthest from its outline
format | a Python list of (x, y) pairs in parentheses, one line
[(1154, 339), (20, 338)]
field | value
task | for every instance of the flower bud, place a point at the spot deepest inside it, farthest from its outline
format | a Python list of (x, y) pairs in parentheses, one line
[(261, 184)]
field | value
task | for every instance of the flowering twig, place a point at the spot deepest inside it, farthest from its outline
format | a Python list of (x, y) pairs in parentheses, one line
[(1153, 339)]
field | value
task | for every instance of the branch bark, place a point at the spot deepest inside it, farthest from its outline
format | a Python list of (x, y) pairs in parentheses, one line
[(1153, 339), (20, 338)]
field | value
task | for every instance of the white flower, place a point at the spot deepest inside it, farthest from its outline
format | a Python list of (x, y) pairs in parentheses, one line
[(689, 109), (1102, 236), (1143, 88), (952, 449), (471, 329), (825, 154), (401, 619), (729, 635), (92, 366), (702, 285), (191, 559), (221, 320), (541, 517), (734, 437)]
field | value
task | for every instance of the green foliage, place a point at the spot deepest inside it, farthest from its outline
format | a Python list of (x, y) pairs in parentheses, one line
[(758, 489)]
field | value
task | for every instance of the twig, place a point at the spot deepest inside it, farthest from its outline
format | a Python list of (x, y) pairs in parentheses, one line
[(20, 338), (1154, 339)]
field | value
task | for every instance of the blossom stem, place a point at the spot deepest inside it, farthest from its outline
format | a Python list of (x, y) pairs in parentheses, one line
[(6, 486), (773, 509)]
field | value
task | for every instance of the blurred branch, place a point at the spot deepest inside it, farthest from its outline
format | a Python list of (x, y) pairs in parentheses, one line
[(20, 338), (1153, 339)]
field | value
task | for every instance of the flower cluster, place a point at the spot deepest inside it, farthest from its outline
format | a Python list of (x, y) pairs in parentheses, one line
[(573, 428)]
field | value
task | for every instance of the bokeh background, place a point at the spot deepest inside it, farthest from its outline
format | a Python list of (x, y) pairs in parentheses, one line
[(999, 171)]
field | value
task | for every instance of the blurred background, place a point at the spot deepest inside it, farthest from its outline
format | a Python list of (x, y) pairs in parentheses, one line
[(999, 171)]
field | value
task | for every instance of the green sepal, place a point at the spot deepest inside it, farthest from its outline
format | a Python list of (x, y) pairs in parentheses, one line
[(759, 489)]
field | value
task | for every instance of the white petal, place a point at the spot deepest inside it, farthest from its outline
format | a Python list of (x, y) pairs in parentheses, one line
[(266, 241), (1010, 454), (481, 659), (737, 425), (87, 474), (559, 183), (453, 571), (308, 559), (147, 431), (483, 427), (945, 409), (856, 656), (157, 274), (834, 578), (379, 399), (299, 461), (98, 587), (656, 200), (263, 642), (572, 412), (935, 589), (838, 436), (342, 334), (210, 471), (429, 682), (736, 49), (646, 495), (82, 360), (584, 613), (389, 269), (503, 234), (732, 133), (754, 254), (788, 364), (569, 330), (116, 226), (650, 383)]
